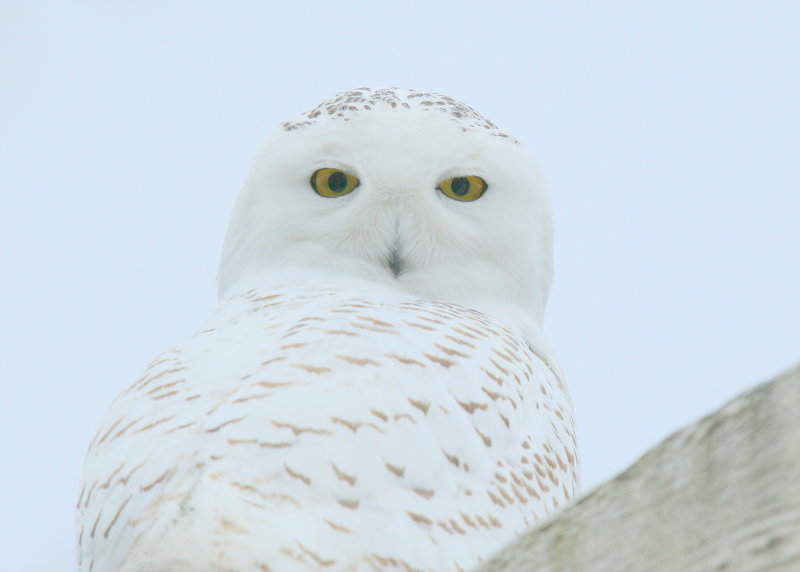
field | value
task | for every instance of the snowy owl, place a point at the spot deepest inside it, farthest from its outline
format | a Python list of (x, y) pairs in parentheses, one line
[(374, 391)]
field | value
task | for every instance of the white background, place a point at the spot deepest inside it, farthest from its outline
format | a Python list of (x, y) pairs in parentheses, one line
[(668, 131)]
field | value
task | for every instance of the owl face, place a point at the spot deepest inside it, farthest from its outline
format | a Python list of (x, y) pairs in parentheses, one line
[(414, 196)]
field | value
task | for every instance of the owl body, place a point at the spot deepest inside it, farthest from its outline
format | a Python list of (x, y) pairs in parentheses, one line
[(372, 393)]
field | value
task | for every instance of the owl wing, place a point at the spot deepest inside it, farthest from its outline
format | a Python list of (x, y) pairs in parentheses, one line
[(323, 430)]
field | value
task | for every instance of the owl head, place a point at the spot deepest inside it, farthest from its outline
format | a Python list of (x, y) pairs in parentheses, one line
[(408, 189)]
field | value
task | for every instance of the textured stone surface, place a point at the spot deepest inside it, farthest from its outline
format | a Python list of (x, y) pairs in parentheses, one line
[(720, 494)]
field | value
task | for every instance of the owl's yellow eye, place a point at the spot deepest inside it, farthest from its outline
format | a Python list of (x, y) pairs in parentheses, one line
[(333, 182), (467, 188)]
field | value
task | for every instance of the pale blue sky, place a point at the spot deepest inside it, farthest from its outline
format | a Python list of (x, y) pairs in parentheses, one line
[(669, 132)]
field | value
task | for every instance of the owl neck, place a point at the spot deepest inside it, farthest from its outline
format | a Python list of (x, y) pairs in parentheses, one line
[(304, 281)]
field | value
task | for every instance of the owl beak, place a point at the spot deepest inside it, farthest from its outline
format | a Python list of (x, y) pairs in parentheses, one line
[(395, 262)]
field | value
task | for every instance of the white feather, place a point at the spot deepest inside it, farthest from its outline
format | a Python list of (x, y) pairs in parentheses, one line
[(331, 415)]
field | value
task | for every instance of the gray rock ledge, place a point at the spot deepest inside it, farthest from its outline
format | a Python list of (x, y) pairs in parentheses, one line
[(720, 494)]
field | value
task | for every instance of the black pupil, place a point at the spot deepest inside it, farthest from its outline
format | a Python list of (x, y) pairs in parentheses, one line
[(337, 182), (460, 186)]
